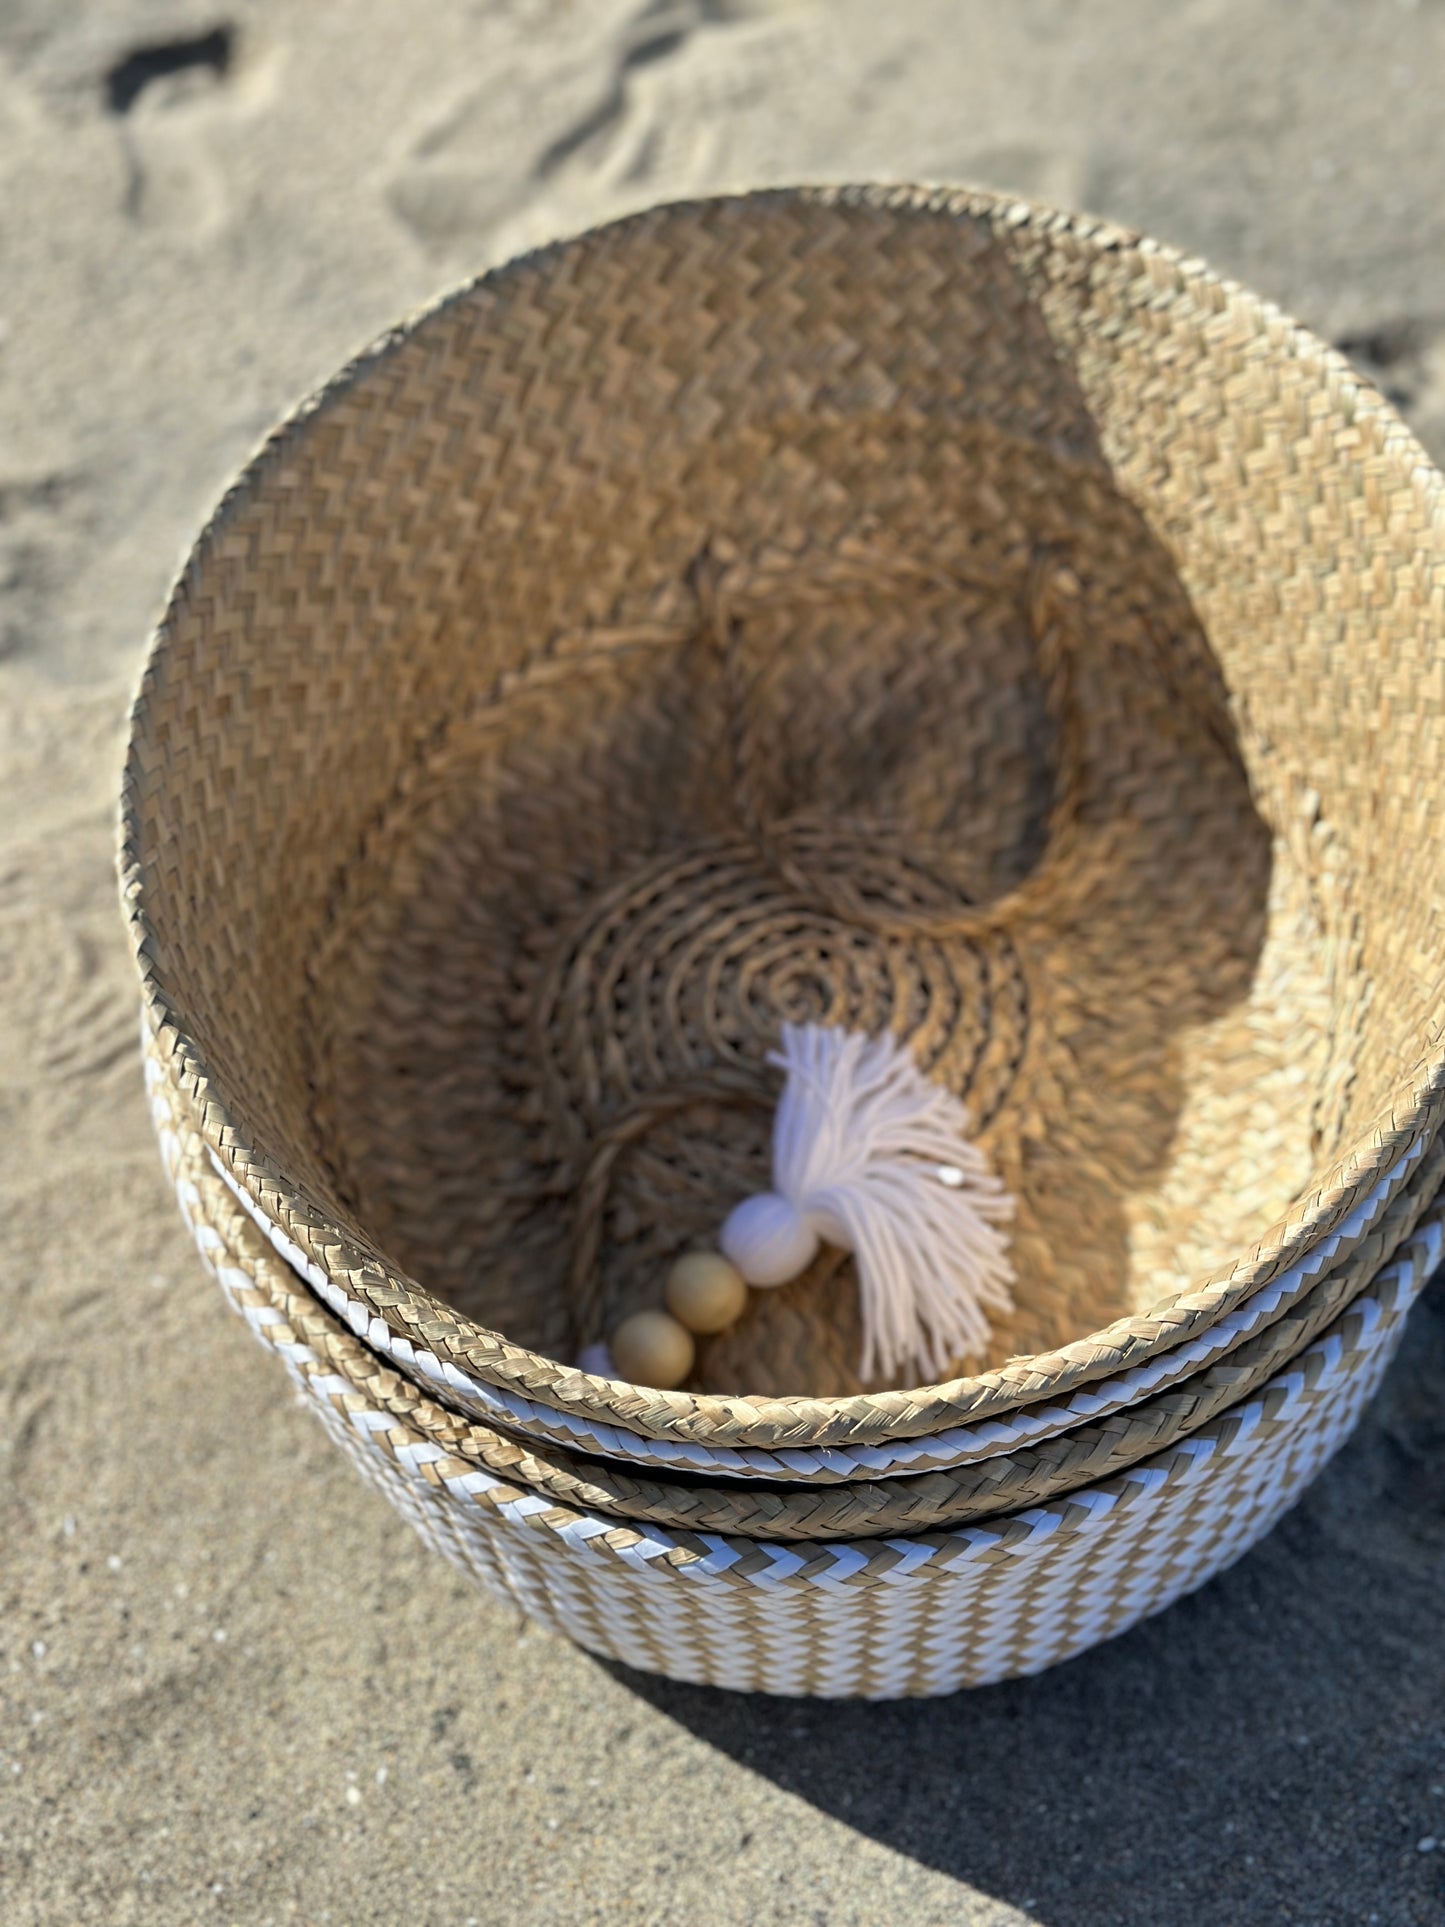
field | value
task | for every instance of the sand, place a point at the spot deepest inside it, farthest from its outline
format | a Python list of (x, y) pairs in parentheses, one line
[(233, 1687)]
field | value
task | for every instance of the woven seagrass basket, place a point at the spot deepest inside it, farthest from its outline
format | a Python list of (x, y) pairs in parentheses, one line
[(1044, 1453), (875, 1617), (902, 610)]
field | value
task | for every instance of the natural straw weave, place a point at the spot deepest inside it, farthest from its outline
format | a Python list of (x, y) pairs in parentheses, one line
[(1002, 1482), (881, 1618), (914, 611), (1368, 1239)]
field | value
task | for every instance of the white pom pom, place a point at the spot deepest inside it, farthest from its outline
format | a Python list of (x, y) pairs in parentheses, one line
[(870, 1155), (768, 1239)]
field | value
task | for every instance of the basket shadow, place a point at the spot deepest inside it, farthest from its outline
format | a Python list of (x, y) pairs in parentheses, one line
[(1269, 1749), (969, 774)]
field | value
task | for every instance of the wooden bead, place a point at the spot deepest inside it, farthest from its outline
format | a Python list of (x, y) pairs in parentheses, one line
[(705, 1292), (652, 1348)]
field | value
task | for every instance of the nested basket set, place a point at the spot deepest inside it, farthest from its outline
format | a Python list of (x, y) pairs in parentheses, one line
[(900, 614)]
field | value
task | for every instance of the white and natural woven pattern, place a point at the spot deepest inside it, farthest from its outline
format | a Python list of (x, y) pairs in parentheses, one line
[(269, 1290), (873, 1618), (890, 1458)]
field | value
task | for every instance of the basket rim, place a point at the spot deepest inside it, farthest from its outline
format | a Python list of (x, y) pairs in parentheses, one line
[(637, 1495), (1049, 1418), (1320, 1367), (435, 1342)]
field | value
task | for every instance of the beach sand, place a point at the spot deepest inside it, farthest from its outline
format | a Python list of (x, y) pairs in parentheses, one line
[(233, 1687)]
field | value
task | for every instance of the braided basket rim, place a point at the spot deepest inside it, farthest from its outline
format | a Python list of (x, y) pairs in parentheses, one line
[(409, 1438), (447, 1347), (635, 1495)]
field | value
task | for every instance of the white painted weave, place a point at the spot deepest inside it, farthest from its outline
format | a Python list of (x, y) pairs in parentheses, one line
[(958, 1445), (876, 1618)]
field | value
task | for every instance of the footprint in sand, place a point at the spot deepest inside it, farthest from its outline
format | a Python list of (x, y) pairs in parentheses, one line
[(170, 97), (38, 521), (636, 108)]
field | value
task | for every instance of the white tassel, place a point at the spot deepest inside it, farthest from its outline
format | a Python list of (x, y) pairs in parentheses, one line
[(872, 1156)]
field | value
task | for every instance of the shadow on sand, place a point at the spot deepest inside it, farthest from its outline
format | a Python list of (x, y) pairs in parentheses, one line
[(1271, 1749)]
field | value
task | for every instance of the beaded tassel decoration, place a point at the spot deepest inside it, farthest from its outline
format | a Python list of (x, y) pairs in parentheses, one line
[(873, 1157)]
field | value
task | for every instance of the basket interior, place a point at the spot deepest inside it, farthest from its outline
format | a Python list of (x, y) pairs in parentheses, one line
[(664, 639)]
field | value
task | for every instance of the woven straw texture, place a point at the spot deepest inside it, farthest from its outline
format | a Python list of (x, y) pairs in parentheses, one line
[(999, 1480), (1363, 1242), (915, 612), (877, 1618)]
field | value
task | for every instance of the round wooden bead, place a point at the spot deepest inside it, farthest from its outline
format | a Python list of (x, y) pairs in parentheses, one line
[(652, 1348), (705, 1292)]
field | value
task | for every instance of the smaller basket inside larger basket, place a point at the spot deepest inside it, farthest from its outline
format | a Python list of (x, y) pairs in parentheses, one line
[(1054, 1450), (1006, 1596), (874, 608)]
